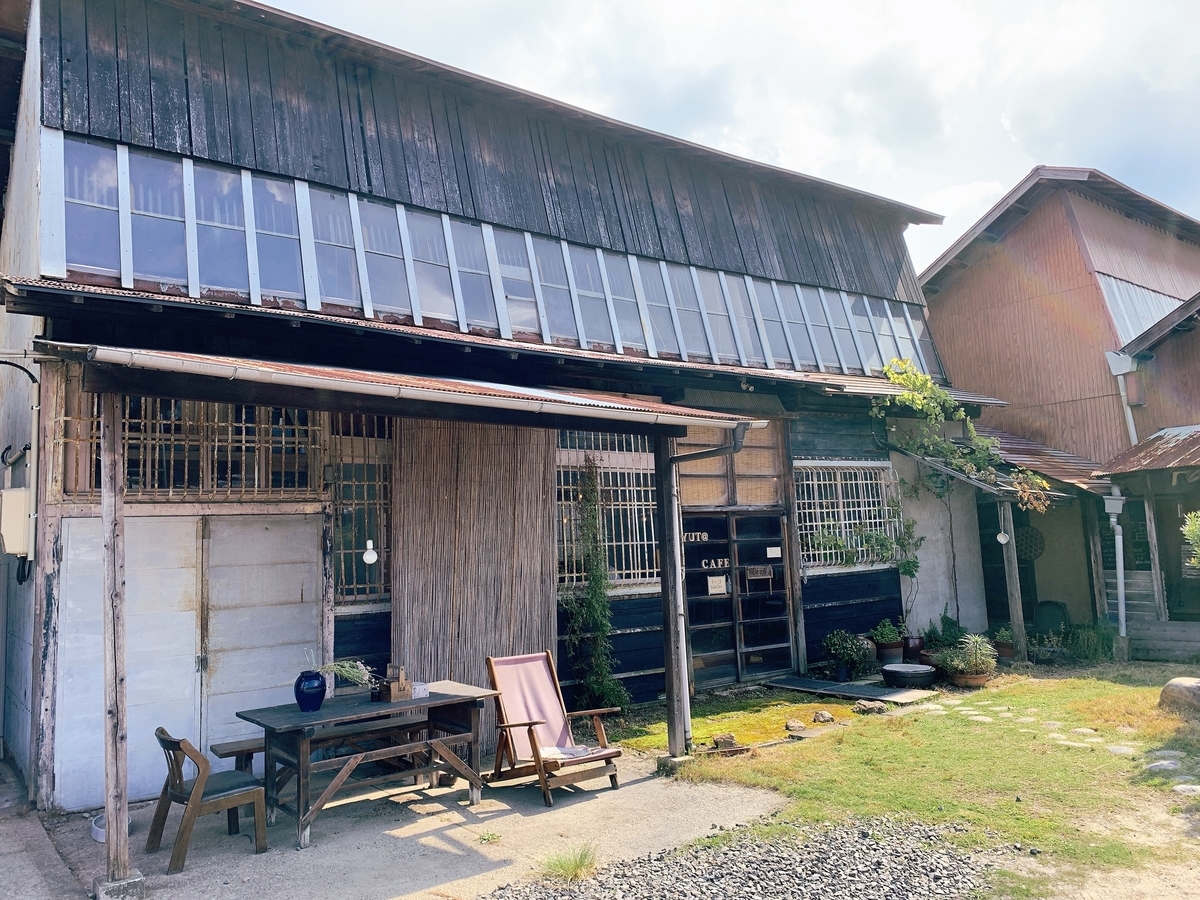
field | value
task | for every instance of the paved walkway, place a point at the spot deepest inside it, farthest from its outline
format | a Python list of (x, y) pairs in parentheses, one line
[(425, 845), (32, 869)]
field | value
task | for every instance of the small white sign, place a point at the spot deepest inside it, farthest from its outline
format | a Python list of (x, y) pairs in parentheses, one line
[(774, 553), (420, 689), (716, 584)]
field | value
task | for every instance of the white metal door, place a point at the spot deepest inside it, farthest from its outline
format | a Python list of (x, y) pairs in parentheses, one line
[(264, 601), (162, 577)]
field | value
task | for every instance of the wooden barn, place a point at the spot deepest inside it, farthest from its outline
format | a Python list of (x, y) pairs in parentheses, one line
[(1074, 300), (320, 292)]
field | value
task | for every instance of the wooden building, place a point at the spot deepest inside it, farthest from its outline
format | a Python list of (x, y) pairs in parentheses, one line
[(1071, 299), (336, 293)]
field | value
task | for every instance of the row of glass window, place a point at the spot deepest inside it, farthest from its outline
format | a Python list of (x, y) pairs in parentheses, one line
[(220, 232)]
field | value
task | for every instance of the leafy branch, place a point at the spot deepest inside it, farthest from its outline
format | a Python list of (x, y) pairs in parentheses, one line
[(975, 456), (1191, 534)]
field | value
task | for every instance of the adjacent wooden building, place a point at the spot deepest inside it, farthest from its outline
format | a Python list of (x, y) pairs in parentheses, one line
[(344, 294), (1073, 300)]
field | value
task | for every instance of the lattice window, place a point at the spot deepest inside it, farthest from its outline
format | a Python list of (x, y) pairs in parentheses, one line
[(839, 507), (187, 450), (361, 452), (627, 498)]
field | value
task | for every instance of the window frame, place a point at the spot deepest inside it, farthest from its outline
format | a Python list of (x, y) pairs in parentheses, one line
[(889, 509)]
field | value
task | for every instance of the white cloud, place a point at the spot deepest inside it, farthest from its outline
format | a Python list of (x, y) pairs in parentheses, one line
[(940, 104)]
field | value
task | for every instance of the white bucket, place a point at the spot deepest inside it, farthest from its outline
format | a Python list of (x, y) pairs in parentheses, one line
[(98, 828)]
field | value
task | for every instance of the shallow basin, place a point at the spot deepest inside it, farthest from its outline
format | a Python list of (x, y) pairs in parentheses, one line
[(909, 675)]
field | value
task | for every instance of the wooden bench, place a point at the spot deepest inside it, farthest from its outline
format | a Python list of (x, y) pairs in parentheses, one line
[(242, 752)]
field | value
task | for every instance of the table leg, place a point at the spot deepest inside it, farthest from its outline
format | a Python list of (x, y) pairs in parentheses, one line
[(269, 775), (303, 763), (474, 759)]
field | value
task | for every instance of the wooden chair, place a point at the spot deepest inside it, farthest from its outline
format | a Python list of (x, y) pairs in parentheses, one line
[(204, 794), (535, 731)]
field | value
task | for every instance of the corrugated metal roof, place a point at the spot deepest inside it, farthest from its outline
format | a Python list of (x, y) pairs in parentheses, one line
[(1170, 448), (390, 385), (1058, 465), (853, 385), (1180, 319)]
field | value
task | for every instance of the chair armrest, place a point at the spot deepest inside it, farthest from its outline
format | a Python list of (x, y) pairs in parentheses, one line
[(520, 724), (594, 712)]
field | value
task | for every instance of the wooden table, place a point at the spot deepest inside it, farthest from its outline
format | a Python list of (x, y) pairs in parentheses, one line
[(413, 736)]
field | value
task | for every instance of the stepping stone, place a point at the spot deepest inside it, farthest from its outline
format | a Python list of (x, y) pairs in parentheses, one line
[(936, 712), (1182, 778), (1094, 740), (930, 706), (1083, 731), (1031, 710), (1005, 715), (966, 712), (1026, 731), (1126, 729), (1026, 720), (953, 701), (981, 719), (1191, 790), (1075, 744), (1055, 736), (1166, 754), (1165, 765), (1052, 725), (1120, 751), (999, 709)]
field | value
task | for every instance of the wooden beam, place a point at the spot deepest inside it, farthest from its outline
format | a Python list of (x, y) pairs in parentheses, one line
[(1091, 533), (1012, 577), (116, 750), (792, 542), (670, 567), (1160, 594)]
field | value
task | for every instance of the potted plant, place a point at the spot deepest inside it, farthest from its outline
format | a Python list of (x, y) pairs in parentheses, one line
[(940, 639), (889, 641), (846, 650), (971, 662), (311, 685), (913, 643), (1004, 642)]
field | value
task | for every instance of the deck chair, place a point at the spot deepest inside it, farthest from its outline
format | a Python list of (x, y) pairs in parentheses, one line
[(204, 794), (535, 734)]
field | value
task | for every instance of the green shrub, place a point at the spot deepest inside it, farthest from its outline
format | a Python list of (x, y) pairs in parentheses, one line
[(1089, 643), (972, 655), (885, 632), (846, 648)]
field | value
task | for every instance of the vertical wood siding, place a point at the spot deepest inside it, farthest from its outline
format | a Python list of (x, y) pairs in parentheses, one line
[(1172, 382), (165, 77), (473, 548), (1027, 323), (1127, 249)]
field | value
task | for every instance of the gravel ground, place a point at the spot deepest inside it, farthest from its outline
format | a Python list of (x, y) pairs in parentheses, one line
[(879, 860)]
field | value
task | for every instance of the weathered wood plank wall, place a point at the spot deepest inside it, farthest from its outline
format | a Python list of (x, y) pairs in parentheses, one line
[(473, 548), (171, 78)]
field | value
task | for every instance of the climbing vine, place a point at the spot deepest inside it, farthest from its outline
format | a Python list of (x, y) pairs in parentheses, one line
[(975, 456), (588, 615)]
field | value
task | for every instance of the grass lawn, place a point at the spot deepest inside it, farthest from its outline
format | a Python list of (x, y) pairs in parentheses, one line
[(1007, 780)]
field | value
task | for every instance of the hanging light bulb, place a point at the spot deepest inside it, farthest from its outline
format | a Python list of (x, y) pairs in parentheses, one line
[(370, 557)]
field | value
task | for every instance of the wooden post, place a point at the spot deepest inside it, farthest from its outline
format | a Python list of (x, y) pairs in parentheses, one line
[(1012, 577), (669, 564), (1160, 593), (116, 749), (1091, 533)]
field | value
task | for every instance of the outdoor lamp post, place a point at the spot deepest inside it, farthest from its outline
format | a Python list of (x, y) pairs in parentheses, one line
[(1113, 505)]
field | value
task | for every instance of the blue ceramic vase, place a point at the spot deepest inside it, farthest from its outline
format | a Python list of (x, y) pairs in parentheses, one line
[(310, 691)]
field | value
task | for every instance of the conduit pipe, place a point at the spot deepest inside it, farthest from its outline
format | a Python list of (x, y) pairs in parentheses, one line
[(1113, 506)]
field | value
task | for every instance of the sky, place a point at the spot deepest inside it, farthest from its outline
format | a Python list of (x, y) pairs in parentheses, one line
[(942, 105)]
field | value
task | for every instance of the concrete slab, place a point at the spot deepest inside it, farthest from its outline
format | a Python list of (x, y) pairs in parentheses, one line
[(32, 869), (409, 844)]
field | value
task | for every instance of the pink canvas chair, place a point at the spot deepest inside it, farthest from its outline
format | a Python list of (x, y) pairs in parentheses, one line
[(535, 734)]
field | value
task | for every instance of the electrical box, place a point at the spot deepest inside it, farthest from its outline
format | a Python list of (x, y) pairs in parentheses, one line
[(14, 521)]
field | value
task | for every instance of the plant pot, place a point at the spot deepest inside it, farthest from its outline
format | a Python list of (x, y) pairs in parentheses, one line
[(929, 658), (842, 673), (907, 675), (891, 653), (1004, 649), (868, 645), (912, 649), (971, 681), (310, 690)]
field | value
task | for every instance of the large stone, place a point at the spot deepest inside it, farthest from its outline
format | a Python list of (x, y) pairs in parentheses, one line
[(870, 707), (822, 717), (795, 725), (1164, 765), (1182, 695)]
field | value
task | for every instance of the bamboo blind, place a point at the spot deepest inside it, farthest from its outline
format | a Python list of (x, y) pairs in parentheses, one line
[(473, 549), (751, 477)]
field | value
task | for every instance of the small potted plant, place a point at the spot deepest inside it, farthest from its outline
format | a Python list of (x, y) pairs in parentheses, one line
[(1004, 642), (889, 641), (971, 662), (846, 650)]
